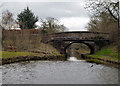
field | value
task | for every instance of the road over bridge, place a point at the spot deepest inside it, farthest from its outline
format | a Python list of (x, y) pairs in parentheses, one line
[(61, 41)]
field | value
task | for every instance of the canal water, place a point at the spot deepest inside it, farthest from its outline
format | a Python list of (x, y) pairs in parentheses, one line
[(72, 71)]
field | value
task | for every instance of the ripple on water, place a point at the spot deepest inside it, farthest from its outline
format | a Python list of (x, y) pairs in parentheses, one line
[(59, 72)]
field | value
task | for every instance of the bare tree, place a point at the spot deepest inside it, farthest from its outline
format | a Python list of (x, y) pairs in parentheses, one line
[(102, 23), (7, 19), (97, 7), (52, 25), (105, 16)]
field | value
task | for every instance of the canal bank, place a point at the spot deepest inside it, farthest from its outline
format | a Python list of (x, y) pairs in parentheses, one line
[(31, 58), (43, 52), (13, 57), (107, 55), (104, 56), (100, 60)]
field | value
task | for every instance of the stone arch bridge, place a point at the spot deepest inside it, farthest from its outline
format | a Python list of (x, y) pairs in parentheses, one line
[(61, 41)]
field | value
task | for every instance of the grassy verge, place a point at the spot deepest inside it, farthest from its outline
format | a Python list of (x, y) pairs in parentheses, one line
[(12, 57), (105, 54), (6, 54), (108, 51)]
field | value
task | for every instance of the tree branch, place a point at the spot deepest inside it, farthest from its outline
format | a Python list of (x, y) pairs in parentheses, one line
[(112, 14)]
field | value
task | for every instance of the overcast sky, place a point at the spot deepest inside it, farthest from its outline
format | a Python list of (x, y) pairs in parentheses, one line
[(71, 14)]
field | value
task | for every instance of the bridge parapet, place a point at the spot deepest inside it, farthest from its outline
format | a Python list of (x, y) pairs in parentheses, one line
[(77, 35)]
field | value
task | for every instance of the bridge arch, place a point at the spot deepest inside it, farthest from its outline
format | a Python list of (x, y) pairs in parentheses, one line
[(90, 46)]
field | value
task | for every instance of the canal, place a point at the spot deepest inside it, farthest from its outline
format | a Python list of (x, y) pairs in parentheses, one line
[(58, 72)]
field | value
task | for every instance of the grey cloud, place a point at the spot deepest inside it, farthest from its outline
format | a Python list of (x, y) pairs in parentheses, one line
[(48, 9), (59, 10)]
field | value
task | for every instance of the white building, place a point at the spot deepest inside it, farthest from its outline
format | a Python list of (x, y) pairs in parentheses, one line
[(15, 27)]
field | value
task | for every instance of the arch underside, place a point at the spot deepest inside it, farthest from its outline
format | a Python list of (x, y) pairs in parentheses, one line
[(90, 46)]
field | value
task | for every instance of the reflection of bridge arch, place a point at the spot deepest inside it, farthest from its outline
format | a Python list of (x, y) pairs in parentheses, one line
[(90, 46)]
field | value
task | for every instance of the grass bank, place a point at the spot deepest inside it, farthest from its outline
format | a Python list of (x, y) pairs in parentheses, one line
[(43, 52), (7, 54), (12, 57), (107, 55)]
